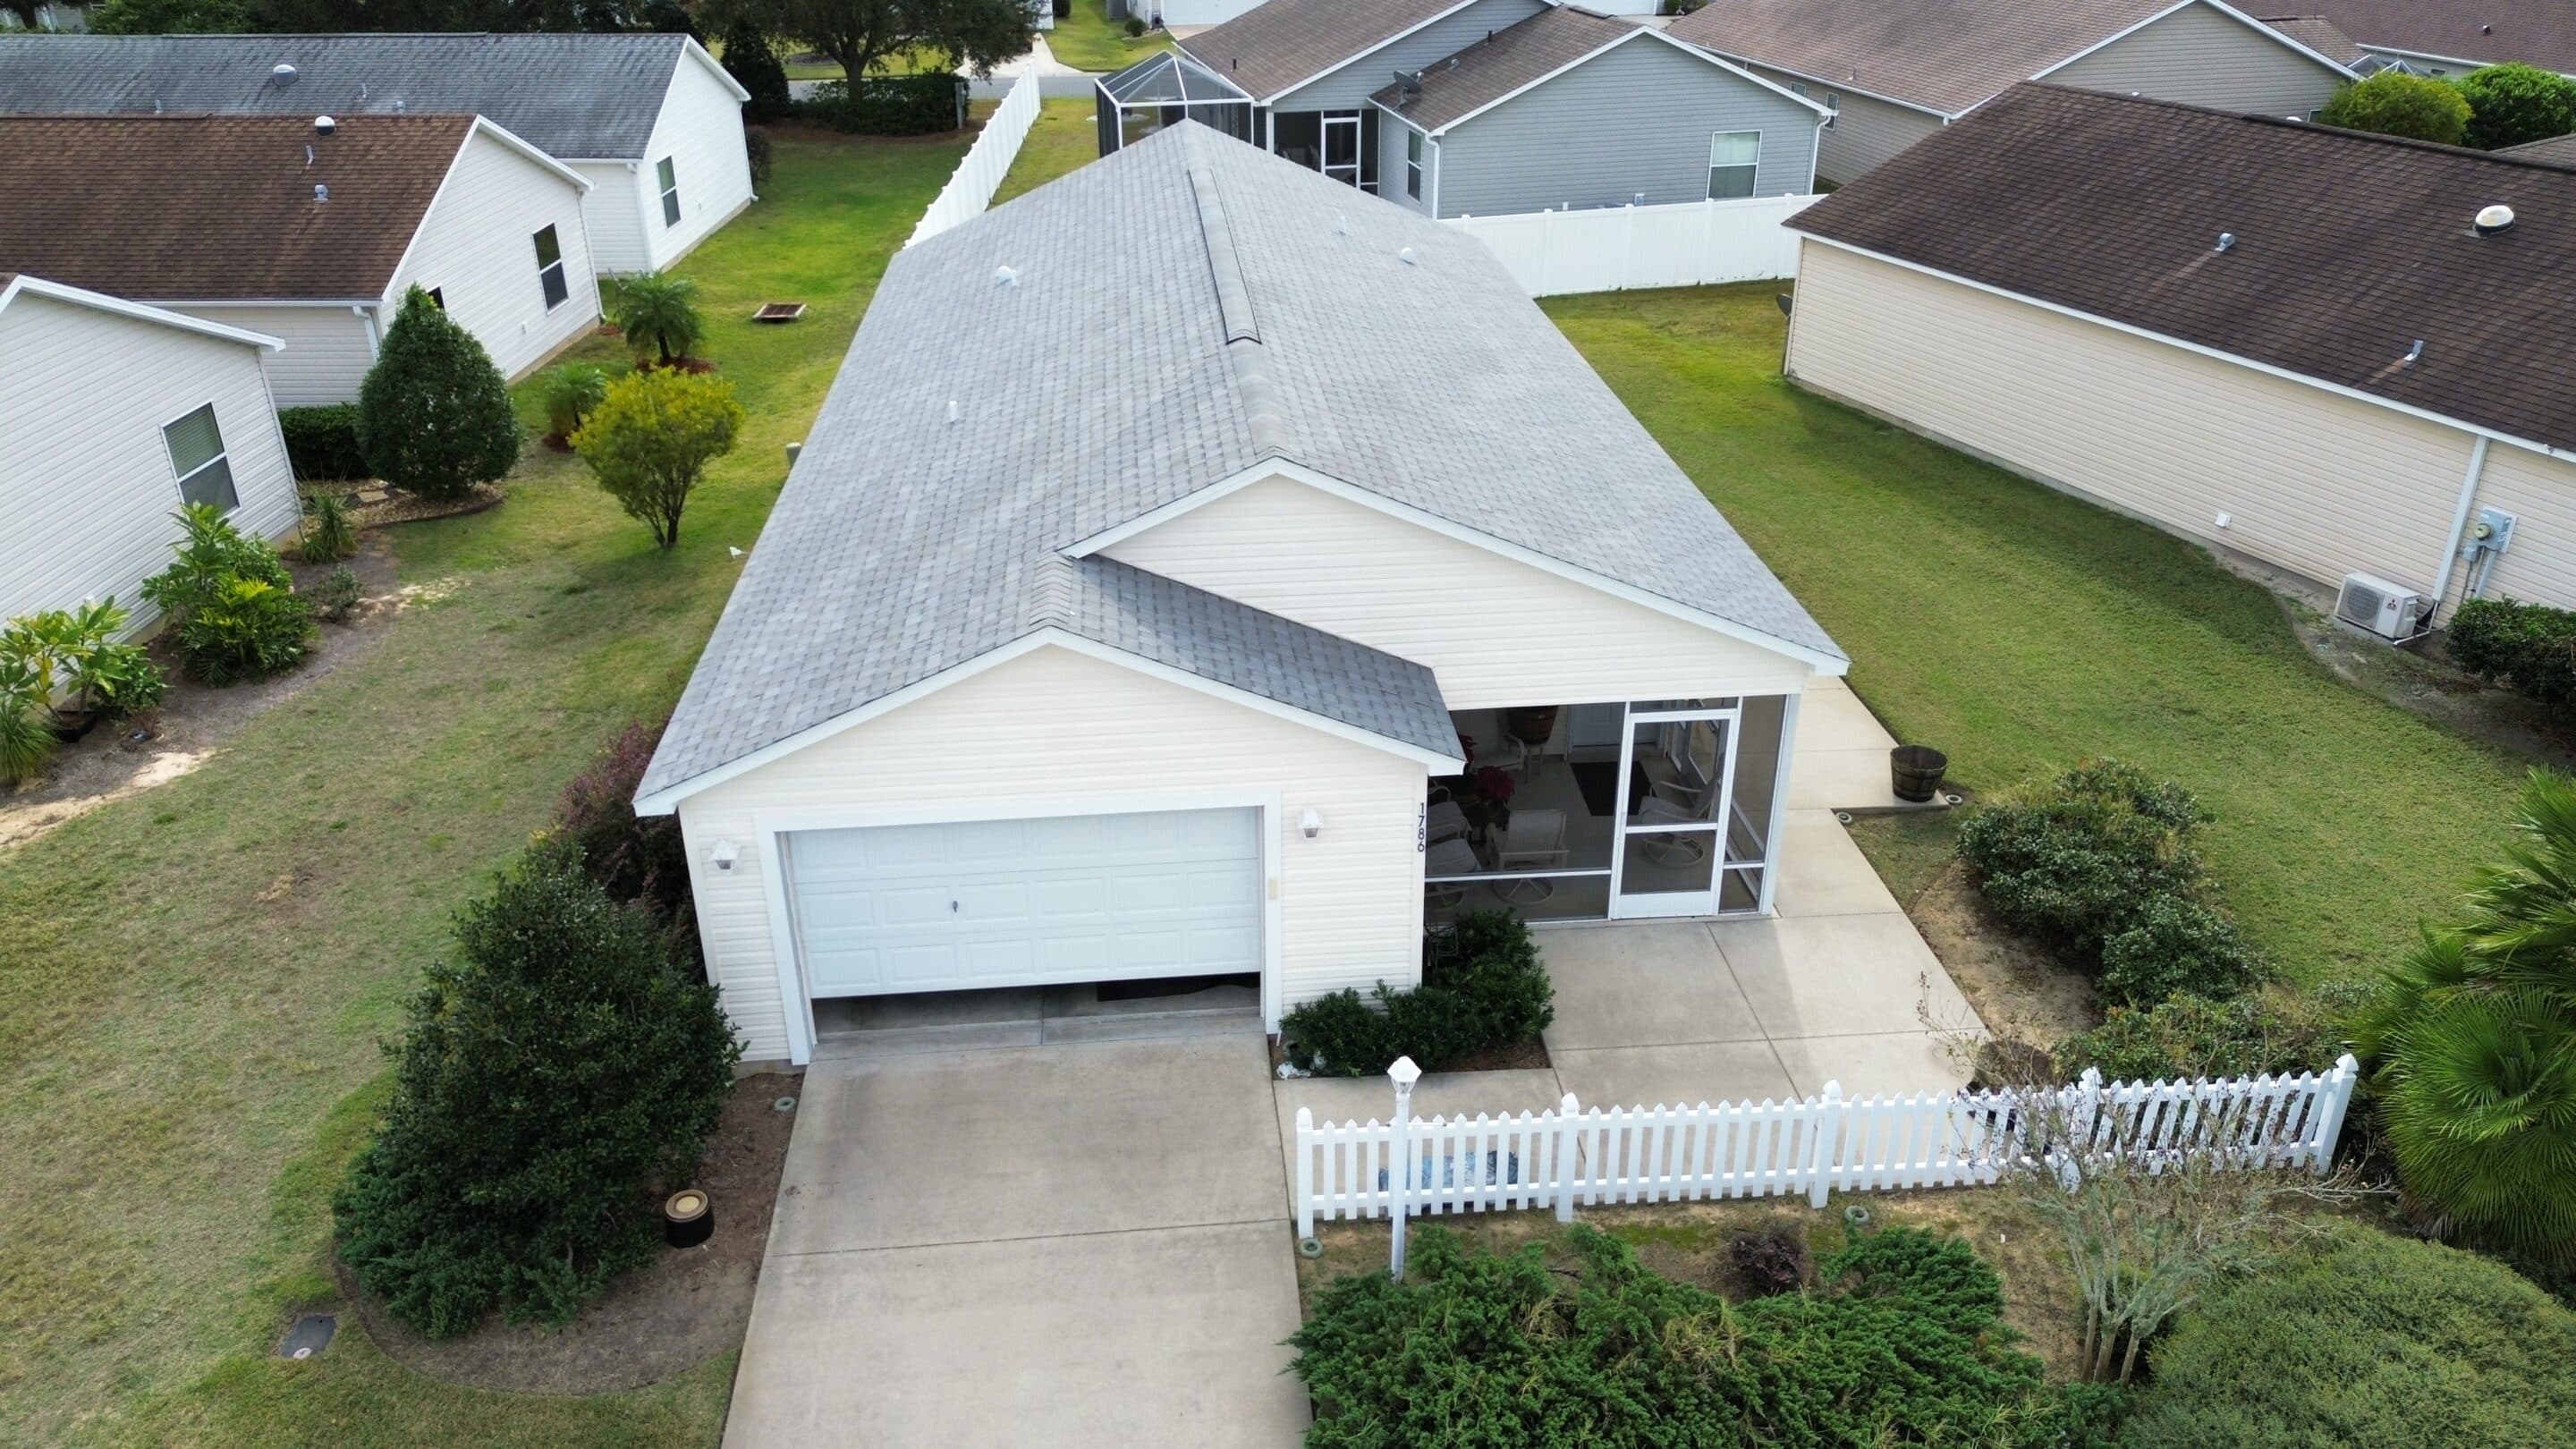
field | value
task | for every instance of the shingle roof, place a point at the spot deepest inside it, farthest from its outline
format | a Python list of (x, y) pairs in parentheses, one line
[(1504, 62), (2539, 32), (1177, 313), (2348, 247), (573, 96), (202, 208), (1281, 43), (2557, 150), (1944, 55), (2318, 34)]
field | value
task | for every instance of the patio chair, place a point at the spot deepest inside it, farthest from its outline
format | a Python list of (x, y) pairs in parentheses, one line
[(1450, 857), (1695, 805), (1443, 821), (1533, 840)]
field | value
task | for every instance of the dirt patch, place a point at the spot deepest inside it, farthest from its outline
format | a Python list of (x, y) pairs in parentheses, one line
[(128, 757), (682, 1309), (2019, 991), (2423, 681)]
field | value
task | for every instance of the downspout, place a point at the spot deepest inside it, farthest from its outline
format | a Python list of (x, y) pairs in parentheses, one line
[(375, 338), (2459, 527), (1431, 143)]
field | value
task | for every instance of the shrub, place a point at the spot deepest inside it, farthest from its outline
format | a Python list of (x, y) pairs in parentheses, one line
[(2394, 103), (2073, 863), (2194, 1036), (2473, 1042), (329, 532), (1135, 26), (650, 438), (322, 443), (754, 65), (761, 154), (571, 392), (2511, 104), (659, 315), (637, 859), (26, 742), (434, 416), (74, 656), (889, 105), (2377, 1342), (230, 603), (337, 595), (1771, 1261), (2176, 945), (2530, 648), (554, 1073), (1482, 987)]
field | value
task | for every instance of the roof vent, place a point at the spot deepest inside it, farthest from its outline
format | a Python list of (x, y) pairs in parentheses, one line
[(1342, 224), (2493, 219), (1005, 277), (282, 73), (324, 125), (1405, 256), (2414, 352), (954, 411), (2226, 239), (321, 192)]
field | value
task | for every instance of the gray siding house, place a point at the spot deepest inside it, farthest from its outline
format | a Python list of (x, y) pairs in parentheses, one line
[(2450, 40), (1571, 109)]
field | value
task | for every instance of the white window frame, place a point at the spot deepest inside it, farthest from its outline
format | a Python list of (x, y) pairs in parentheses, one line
[(222, 458), (1833, 109), (666, 178), (1358, 167), (551, 276), (1754, 166), (1413, 164)]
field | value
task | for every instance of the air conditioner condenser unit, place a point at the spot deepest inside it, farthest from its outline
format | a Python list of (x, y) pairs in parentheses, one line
[(2376, 606)]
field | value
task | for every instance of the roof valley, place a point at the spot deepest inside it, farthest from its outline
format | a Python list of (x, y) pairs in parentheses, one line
[(1264, 416)]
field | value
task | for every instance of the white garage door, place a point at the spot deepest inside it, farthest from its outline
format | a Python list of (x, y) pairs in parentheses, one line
[(1025, 902)]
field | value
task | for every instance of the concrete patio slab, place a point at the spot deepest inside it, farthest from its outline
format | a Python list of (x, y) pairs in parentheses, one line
[(1890, 1062), (1840, 760), (1642, 984), (1822, 873), (1677, 1076), (1840, 975)]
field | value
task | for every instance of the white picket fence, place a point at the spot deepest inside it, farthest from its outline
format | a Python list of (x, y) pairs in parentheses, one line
[(1587, 1156), (970, 187), (1614, 248)]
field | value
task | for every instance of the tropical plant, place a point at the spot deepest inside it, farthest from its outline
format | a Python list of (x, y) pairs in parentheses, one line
[(434, 415), (2394, 103), (230, 602), (2512, 104), (659, 315), (2473, 1044), (73, 655), (570, 391), (650, 438), (329, 532), (26, 742)]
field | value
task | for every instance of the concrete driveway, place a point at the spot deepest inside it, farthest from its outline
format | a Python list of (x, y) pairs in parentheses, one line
[(1073, 1244)]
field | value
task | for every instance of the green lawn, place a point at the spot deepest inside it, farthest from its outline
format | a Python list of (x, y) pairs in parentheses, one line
[(2019, 630), (1060, 139), (1089, 40), (193, 982)]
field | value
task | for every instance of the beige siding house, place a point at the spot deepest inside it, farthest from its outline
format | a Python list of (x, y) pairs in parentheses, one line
[(2186, 352)]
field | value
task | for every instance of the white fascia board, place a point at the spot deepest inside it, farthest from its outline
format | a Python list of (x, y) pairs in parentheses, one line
[(1642, 32), (1392, 114), (2202, 349), (1840, 86), (1348, 61), (1817, 660), (2277, 36), (668, 798), (141, 312), (689, 46)]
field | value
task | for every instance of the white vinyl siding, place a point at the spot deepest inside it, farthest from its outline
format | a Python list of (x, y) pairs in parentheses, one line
[(2200, 56), (2540, 491), (700, 134), (1496, 631), (474, 244), (2315, 483), (612, 215), (327, 353), (88, 488), (1059, 732)]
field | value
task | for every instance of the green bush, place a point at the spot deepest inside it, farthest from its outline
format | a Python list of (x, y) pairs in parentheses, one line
[(434, 416), (754, 65), (337, 595), (2512, 104), (570, 392), (26, 740), (2195, 1036), (1482, 987), (73, 658), (637, 859), (761, 154), (2072, 863), (2377, 1342), (329, 532), (1486, 1349), (230, 603), (651, 436), (889, 105), (1135, 26), (2530, 648), (322, 443), (659, 315), (555, 1073), (2394, 103), (2175, 945)]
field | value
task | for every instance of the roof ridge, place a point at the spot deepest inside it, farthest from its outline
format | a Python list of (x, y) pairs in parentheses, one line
[(2287, 123), (1264, 415)]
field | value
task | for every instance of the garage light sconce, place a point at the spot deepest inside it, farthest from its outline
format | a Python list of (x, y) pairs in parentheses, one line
[(724, 855), (1310, 824)]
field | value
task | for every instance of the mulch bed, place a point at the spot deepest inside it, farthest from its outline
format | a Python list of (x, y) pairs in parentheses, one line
[(373, 505), (687, 1306)]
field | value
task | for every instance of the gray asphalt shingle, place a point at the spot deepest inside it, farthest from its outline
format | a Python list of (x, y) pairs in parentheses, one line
[(1504, 62)]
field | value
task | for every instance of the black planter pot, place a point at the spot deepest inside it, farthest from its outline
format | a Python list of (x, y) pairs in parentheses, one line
[(1915, 772), (689, 1218), (70, 725)]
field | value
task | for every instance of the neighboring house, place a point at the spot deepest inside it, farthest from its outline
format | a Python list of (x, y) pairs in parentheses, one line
[(1896, 73), (2557, 150), (1217, 12), (1155, 676), (2315, 348), (2322, 36), (1571, 109), (2452, 39), (113, 415), (306, 230), (652, 121)]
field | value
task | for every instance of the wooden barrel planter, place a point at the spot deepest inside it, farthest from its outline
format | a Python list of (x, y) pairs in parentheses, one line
[(1915, 772)]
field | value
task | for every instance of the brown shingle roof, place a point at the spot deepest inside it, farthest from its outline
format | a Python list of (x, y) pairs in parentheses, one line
[(2348, 247), (2541, 32), (2557, 150), (1281, 43), (1943, 55), (2318, 34), (1504, 62), (206, 208)]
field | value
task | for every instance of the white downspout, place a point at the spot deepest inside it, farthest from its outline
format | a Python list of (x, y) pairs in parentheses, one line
[(2459, 525), (375, 337), (1432, 144)]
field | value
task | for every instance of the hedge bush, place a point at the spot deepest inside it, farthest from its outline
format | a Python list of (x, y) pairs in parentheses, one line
[(2512, 104), (889, 105), (555, 1073), (1474, 1349), (1482, 987), (434, 414), (322, 443), (638, 859), (2395, 103), (2195, 1036), (2174, 946), (2378, 1342), (229, 601), (2529, 648)]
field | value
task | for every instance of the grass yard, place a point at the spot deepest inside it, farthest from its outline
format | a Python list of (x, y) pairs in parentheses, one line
[(2020, 630), (1060, 139), (1089, 40), (193, 982)]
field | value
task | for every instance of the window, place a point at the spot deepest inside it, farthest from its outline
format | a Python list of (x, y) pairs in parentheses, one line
[(670, 179), (550, 269), (1833, 108), (1797, 88), (1733, 157), (197, 456), (1413, 164)]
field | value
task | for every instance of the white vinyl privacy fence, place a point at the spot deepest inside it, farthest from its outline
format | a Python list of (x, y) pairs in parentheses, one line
[(971, 186), (1587, 1156), (1614, 248)]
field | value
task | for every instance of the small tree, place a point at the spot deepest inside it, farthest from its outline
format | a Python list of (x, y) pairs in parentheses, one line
[(651, 436), (659, 314), (749, 59), (863, 34), (434, 415), (2511, 104), (2394, 103), (554, 1073)]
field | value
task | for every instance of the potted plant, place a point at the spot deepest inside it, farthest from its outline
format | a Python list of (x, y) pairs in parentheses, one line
[(1484, 796)]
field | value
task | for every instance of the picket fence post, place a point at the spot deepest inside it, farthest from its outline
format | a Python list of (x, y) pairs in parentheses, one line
[(1403, 1073), (1566, 1113), (1825, 1122), (1305, 1173), (2338, 1096)]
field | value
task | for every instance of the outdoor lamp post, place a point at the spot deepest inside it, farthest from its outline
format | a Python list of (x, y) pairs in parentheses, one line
[(1404, 1074)]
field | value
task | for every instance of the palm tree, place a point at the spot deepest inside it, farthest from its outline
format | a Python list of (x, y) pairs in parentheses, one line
[(661, 313), (2473, 1039)]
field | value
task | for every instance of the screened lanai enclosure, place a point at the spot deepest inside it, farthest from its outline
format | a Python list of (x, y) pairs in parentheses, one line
[(1165, 90)]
